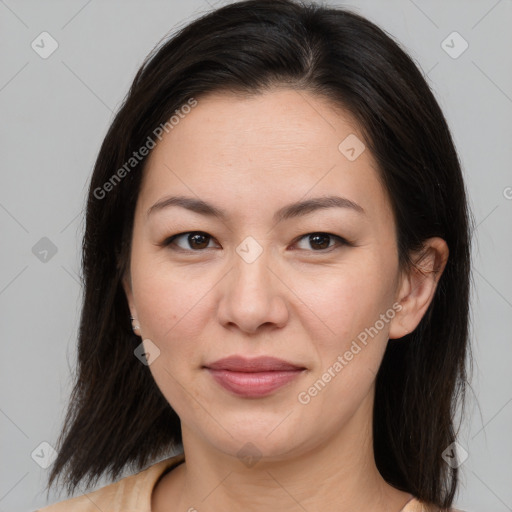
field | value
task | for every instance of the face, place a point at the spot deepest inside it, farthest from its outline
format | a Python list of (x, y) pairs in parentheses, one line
[(314, 287)]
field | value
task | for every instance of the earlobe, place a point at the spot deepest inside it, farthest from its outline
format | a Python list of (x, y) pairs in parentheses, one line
[(127, 286), (418, 285)]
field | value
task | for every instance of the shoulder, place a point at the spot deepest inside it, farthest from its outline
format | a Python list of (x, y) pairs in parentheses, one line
[(130, 493), (415, 505)]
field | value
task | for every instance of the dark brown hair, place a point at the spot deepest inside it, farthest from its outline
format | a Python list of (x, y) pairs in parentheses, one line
[(117, 418)]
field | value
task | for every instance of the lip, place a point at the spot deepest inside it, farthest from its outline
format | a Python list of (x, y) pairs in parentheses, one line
[(253, 378)]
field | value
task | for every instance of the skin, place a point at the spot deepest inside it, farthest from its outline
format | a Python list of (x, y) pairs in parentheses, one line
[(251, 156)]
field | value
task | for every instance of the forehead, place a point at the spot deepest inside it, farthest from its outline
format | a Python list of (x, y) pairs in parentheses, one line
[(283, 143), (281, 120)]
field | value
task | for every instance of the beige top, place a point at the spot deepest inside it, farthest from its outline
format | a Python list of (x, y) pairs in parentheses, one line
[(133, 493)]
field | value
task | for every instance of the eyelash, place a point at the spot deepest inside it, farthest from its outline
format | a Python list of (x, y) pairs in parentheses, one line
[(168, 242)]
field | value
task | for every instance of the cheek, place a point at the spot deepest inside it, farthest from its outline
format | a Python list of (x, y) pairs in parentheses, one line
[(350, 350), (345, 301), (169, 305), (170, 310)]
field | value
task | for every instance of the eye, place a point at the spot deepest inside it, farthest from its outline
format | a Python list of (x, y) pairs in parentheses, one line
[(322, 241), (195, 240)]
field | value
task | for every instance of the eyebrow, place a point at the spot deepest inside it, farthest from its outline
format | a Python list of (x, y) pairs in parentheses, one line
[(292, 210)]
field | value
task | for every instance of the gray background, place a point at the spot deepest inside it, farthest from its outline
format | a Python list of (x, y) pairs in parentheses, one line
[(55, 113)]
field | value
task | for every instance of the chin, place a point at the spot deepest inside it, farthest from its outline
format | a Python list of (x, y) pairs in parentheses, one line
[(255, 437)]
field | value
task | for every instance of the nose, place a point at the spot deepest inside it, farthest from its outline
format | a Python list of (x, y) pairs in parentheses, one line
[(253, 296)]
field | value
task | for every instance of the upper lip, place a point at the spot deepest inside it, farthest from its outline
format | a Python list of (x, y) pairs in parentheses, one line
[(252, 365)]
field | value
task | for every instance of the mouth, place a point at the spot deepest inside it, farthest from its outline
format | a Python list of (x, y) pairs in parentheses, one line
[(253, 378)]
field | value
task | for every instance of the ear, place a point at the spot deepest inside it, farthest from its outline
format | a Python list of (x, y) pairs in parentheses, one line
[(417, 286), (127, 287)]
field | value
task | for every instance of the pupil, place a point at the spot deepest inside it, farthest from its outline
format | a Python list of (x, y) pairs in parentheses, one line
[(195, 240), (314, 240)]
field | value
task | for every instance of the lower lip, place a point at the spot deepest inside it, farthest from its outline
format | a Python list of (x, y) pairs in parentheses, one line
[(254, 384)]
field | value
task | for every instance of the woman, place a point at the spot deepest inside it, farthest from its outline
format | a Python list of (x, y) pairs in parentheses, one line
[(279, 209)]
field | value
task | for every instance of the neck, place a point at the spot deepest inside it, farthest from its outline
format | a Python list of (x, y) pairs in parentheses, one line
[(337, 475)]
